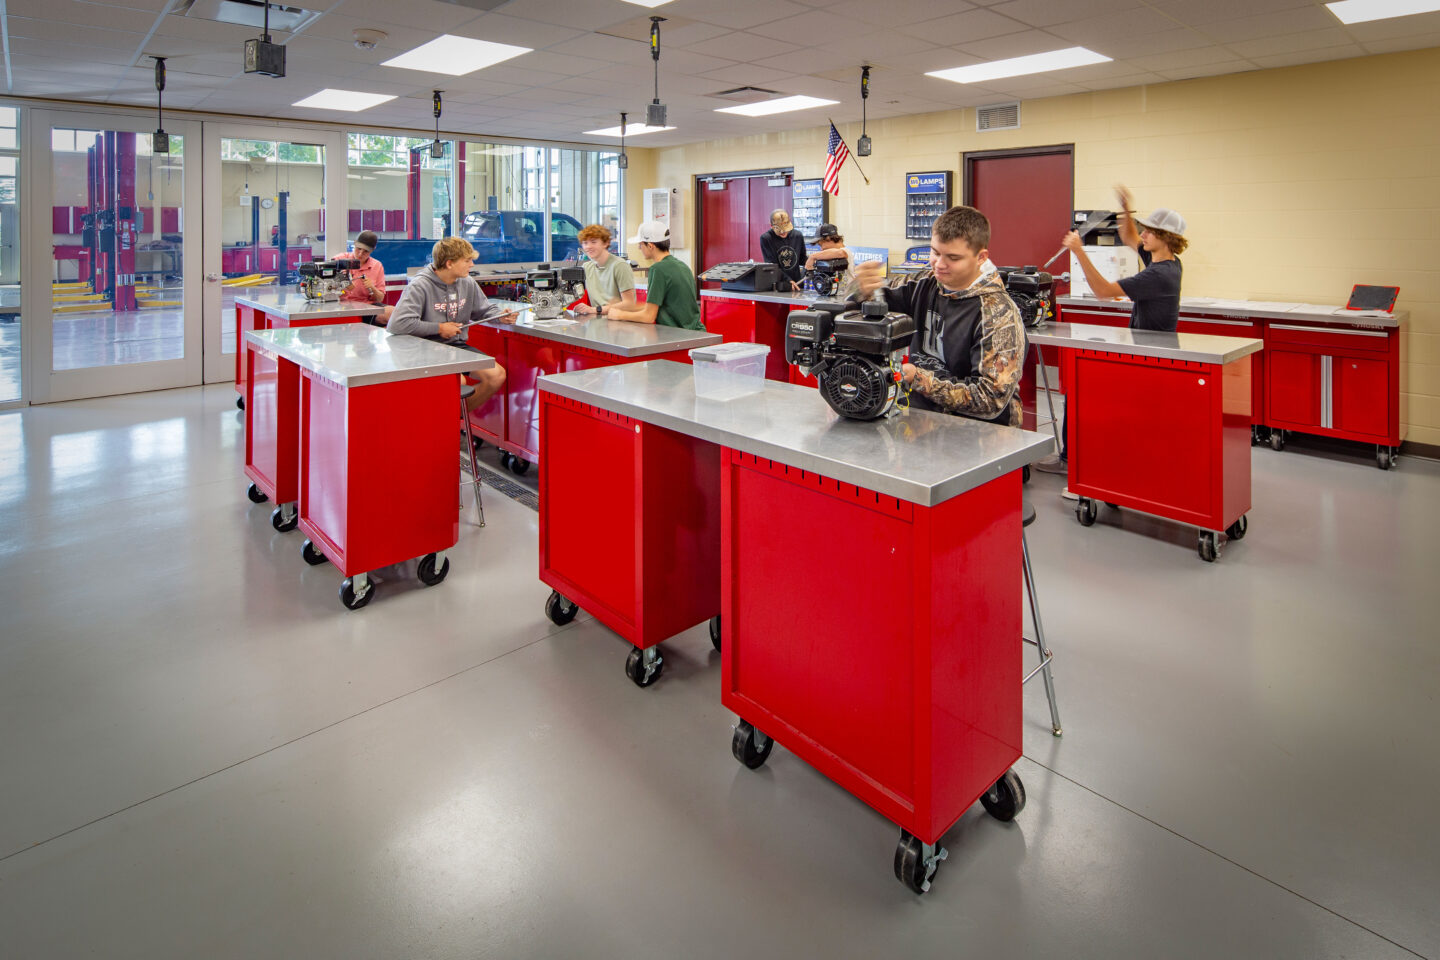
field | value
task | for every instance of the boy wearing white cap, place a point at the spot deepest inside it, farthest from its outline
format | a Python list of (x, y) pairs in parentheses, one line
[(669, 284), (1155, 289)]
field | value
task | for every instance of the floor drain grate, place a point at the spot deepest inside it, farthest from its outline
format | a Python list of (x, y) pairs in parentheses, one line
[(497, 481)]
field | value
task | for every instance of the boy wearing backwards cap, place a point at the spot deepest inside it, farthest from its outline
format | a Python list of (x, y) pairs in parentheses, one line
[(367, 282), (1155, 290)]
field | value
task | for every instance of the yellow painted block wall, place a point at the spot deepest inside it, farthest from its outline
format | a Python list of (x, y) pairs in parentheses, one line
[(1296, 183)]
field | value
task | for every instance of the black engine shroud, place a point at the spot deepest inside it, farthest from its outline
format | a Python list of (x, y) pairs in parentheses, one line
[(854, 354), (1033, 292)]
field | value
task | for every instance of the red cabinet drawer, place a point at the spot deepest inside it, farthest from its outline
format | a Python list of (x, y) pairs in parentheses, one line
[(1293, 393), (1097, 316), (1361, 393), (1331, 339)]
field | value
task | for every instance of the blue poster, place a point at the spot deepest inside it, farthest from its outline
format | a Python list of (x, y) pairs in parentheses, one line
[(805, 189), (927, 182)]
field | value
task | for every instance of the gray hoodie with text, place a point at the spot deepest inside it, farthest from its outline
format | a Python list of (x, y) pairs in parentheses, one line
[(429, 301)]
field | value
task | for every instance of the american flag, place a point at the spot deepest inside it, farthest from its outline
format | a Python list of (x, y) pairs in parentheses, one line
[(839, 153)]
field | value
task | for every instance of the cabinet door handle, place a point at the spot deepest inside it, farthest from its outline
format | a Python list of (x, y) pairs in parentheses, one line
[(1227, 323), (1343, 333)]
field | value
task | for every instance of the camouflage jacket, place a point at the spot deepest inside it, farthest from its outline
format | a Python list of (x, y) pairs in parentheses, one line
[(969, 345)]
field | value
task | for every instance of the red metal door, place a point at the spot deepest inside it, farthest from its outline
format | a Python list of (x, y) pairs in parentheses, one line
[(1293, 391), (1030, 200), (724, 222), (1360, 396), (765, 200)]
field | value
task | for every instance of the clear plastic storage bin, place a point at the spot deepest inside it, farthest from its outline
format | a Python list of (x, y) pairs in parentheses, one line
[(729, 370)]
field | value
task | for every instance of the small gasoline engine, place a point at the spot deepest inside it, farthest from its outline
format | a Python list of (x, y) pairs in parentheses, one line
[(1033, 292), (551, 290), (326, 279), (855, 354), (824, 278)]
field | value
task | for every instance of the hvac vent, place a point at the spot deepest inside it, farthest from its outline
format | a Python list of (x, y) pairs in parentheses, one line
[(745, 94), (247, 13), (1001, 116)]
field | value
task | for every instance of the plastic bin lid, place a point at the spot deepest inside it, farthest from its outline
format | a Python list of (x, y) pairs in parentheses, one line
[(730, 351)]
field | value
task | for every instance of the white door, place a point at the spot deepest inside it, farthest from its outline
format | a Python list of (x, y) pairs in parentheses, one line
[(265, 191), (122, 314)]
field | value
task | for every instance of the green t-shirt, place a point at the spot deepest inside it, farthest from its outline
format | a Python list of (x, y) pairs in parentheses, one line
[(608, 283), (671, 287)]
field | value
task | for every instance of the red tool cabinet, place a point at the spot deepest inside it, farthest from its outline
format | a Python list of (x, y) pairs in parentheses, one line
[(741, 319)]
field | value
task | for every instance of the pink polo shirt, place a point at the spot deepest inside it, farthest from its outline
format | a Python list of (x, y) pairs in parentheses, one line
[(356, 290)]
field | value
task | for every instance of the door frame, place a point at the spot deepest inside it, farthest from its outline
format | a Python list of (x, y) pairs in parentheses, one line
[(46, 385), (698, 200), (219, 366), (968, 158)]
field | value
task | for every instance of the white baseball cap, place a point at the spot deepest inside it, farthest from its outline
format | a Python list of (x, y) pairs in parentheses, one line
[(651, 231), (1165, 219)]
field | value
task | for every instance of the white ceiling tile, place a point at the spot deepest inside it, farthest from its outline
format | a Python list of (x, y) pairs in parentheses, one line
[(746, 46), (749, 75), (597, 46), (1205, 70), (1015, 45), (440, 17), (894, 14), (1152, 44), (877, 46), (22, 29), (1419, 24), (1310, 56), (738, 14), (1201, 12), (1178, 59), (1294, 43), (963, 28), (1044, 13), (1419, 42), (1271, 24), (1098, 33)]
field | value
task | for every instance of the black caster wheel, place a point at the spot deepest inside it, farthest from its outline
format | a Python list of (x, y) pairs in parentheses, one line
[(1112, 506), (310, 555), (1006, 798), (476, 442), (1208, 550), (348, 597), (635, 668), (715, 631), (912, 867), (1384, 457), (1086, 511), (1025, 473), (562, 611), (1277, 440), (427, 572), (255, 494), (519, 467), (505, 458), (750, 746), (278, 521), (1236, 530), (240, 402)]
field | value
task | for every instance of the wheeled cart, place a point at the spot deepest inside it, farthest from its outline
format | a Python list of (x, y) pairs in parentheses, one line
[(278, 311), (1159, 423), (373, 420), (870, 608)]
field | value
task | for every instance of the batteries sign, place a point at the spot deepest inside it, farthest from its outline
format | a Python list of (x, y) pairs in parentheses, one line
[(927, 182)]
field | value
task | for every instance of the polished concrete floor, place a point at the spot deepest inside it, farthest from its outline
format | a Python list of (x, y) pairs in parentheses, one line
[(204, 755)]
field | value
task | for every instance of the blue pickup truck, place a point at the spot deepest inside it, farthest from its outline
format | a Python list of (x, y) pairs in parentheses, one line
[(498, 236)]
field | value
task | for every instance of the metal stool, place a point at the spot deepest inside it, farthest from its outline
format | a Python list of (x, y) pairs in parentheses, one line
[(467, 390), (1027, 518)]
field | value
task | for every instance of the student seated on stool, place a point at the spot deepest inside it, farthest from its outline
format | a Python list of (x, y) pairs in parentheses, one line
[(441, 299), (367, 282)]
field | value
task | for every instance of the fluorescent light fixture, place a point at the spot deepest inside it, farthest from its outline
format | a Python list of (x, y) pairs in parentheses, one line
[(455, 56), (1362, 11), (631, 130), (1020, 66), (348, 100), (648, 3), (783, 105)]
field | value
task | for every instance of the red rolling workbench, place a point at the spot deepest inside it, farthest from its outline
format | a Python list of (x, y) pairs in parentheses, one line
[(280, 310), (358, 433), (903, 685), (529, 349), (741, 317), (1326, 370), (1158, 422)]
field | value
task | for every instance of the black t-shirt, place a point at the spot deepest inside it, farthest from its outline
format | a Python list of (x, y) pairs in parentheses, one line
[(1156, 292), (787, 253)]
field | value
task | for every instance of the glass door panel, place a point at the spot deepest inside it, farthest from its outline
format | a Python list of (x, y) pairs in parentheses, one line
[(11, 379)]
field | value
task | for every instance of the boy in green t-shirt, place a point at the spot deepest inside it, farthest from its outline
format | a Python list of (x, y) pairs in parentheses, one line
[(670, 286)]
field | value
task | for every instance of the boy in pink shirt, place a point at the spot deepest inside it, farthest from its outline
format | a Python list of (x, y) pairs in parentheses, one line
[(367, 283)]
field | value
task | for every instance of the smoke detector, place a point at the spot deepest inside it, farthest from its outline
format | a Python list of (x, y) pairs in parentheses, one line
[(366, 39)]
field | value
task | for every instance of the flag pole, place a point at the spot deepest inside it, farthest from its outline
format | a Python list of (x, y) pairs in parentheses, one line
[(852, 154)]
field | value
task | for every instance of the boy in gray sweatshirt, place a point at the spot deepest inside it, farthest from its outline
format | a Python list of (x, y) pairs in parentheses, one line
[(439, 300)]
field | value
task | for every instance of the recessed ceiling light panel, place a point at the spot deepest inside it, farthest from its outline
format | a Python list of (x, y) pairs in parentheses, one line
[(631, 130), (1362, 11), (784, 105), (348, 100), (648, 3), (455, 56), (1020, 66)]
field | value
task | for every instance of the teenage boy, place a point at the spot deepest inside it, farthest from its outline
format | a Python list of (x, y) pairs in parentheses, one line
[(784, 247), (367, 282), (669, 285), (441, 300), (609, 281), (1155, 290), (969, 345)]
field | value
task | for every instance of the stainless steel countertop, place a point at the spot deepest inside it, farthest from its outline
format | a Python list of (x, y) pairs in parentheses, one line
[(358, 355), (1259, 309), (1193, 347), (799, 297), (617, 337), (1145, 343), (917, 455), (292, 305)]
